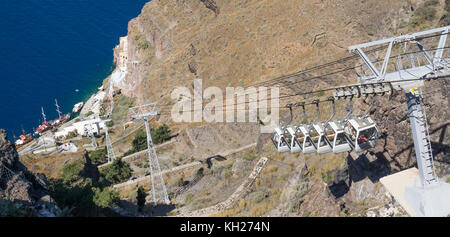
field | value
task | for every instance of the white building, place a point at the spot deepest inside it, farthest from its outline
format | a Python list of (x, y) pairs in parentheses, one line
[(83, 128)]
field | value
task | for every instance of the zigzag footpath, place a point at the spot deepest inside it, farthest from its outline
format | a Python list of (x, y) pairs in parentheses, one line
[(145, 179), (129, 158), (241, 191)]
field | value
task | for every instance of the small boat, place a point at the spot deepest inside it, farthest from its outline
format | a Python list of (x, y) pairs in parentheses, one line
[(77, 107)]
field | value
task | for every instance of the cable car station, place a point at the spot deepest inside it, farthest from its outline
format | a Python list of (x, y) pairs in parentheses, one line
[(418, 190)]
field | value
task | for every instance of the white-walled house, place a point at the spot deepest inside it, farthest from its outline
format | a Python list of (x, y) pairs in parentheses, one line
[(83, 128)]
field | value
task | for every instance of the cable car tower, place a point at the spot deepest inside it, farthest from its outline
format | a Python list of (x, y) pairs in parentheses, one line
[(109, 148), (144, 112), (429, 197), (88, 129)]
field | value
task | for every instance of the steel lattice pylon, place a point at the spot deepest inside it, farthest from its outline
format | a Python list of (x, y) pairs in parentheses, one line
[(109, 148), (430, 196), (157, 183), (92, 136)]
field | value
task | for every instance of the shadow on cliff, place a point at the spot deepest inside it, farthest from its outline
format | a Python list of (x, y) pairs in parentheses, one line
[(130, 209), (362, 167), (357, 170), (437, 148)]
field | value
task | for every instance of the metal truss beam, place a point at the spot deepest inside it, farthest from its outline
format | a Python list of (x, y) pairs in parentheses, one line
[(436, 64)]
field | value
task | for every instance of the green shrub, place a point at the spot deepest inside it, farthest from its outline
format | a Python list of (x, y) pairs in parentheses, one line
[(99, 156), (160, 134), (104, 198), (109, 123), (227, 173), (117, 172), (78, 197), (144, 45), (229, 165), (102, 111), (121, 107), (71, 172), (139, 143), (251, 155), (81, 197), (72, 134), (140, 198), (300, 191), (89, 113), (426, 12), (257, 196)]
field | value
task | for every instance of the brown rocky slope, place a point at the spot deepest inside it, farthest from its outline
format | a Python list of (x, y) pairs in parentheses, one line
[(20, 189)]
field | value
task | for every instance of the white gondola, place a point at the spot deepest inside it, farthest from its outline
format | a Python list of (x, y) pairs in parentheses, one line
[(296, 145), (361, 133), (319, 137), (303, 137), (281, 140), (297, 137), (340, 144)]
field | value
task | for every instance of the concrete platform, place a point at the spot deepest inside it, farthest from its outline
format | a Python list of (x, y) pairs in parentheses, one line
[(431, 201), (396, 185)]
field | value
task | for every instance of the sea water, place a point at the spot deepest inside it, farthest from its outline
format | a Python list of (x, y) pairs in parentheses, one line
[(50, 49)]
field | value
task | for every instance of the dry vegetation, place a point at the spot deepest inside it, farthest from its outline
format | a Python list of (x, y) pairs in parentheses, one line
[(51, 166)]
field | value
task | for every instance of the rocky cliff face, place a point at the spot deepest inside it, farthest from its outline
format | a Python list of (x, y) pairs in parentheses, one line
[(172, 42), (19, 187), (396, 145), (8, 153)]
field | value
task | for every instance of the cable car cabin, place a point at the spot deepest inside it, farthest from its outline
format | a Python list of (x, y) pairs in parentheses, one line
[(296, 139), (362, 133), (319, 137), (339, 142), (304, 139), (281, 140)]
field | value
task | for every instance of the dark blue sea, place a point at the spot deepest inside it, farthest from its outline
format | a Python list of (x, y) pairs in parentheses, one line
[(50, 48)]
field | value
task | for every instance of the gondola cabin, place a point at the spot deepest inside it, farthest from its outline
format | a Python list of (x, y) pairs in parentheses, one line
[(362, 133), (339, 142), (302, 135), (320, 139), (296, 139), (279, 139)]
